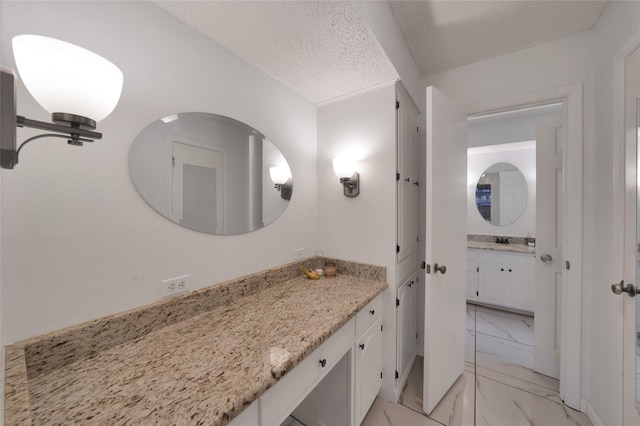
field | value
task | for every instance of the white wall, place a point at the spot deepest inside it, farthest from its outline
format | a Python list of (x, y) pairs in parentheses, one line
[(503, 80), (78, 241), (362, 229), (477, 163), (619, 22)]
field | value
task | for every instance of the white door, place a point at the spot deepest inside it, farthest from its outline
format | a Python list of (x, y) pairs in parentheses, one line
[(445, 247), (513, 195), (550, 265), (198, 187), (631, 310)]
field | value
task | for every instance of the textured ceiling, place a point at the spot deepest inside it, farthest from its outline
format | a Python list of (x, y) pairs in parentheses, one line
[(446, 34), (320, 49), (325, 49)]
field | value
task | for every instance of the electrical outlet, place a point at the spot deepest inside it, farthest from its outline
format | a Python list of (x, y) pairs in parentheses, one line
[(174, 286), (298, 253)]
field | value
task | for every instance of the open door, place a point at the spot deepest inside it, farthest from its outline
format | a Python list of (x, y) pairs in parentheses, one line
[(630, 284), (445, 247), (550, 265)]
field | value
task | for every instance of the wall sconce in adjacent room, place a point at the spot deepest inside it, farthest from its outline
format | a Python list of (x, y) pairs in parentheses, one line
[(281, 177), (76, 86), (345, 170)]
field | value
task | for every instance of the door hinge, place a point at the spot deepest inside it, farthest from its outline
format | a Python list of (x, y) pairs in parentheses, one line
[(381, 328), (397, 248), (173, 161), (567, 264), (397, 176), (477, 269), (381, 374), (428, 268), (417, 129), (397, 375), (397, 104), (397, 302), (477, 294), (416, 336)]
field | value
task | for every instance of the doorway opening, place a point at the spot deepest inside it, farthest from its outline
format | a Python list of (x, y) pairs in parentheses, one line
[(515, 172), (566, 139)]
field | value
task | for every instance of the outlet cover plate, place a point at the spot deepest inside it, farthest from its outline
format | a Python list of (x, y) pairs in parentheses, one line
[(174, 286)]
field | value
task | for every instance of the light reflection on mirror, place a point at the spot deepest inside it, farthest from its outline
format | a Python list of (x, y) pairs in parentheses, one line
[(209, 173), (501, 194)]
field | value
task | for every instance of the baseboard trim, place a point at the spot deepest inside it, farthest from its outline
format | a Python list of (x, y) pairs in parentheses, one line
[(593, 415)]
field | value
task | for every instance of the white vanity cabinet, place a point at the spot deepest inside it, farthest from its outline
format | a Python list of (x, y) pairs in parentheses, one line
[(504, 279), (338, 391)]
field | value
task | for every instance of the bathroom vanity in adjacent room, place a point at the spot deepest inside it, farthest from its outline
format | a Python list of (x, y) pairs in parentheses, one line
[(501, 276)]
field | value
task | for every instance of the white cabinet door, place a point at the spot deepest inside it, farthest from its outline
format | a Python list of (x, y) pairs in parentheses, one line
[(406, 306), (407, 187), (368, 361), (522, 286), (507, 280), (473, 272), (494, 285)]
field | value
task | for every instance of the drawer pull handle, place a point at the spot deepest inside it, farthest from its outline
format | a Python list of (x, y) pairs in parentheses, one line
[(502, 269), (323, 362), (372, 312), (361, 346), (509, 270)]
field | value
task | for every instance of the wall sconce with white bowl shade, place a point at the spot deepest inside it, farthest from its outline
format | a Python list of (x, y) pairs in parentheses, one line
[(345, 170), (281, 177), (76, 86)]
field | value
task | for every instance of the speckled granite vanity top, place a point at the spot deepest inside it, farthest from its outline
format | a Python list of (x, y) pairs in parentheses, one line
[(488, 242), (194, 359)]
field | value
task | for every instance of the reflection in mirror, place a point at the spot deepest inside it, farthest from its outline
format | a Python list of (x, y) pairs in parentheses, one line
[(501, 194), (210, 173)]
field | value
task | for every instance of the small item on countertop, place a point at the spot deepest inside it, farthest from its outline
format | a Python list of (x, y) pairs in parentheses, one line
[(531, 242), (319, 271), (330, 270), (312, 275)]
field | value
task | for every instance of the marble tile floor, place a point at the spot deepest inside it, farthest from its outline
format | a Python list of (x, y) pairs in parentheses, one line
[(497, 388)]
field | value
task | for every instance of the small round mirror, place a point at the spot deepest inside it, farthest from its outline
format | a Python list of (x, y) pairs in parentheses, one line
[(501, 194)]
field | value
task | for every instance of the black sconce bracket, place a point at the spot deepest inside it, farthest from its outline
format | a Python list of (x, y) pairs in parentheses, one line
[(285, 189), (76, 129), (351, 185)]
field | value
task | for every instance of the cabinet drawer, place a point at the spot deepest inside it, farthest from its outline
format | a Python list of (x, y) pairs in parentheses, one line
[(366, 316), (279, 401)]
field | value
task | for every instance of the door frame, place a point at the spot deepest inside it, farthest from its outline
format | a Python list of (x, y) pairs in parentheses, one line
[(619, 187), (571, 96)]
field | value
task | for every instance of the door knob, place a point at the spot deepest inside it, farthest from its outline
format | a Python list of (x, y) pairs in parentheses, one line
[(440, 268), (546, 258), (619, 288)]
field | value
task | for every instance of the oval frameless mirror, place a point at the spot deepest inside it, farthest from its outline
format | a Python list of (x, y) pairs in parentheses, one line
[(210, 173), (501, 194)]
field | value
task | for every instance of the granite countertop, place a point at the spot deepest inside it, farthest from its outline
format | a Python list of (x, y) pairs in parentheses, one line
[(512, 248), (202, 370)]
